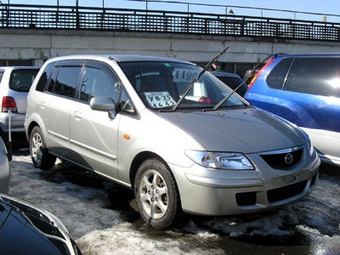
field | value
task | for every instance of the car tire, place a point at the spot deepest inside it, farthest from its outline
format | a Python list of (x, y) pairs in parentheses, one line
[(156, 194), (40, 156)]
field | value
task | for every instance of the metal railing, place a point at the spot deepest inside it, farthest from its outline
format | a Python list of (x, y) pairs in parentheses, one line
[(88, 18)]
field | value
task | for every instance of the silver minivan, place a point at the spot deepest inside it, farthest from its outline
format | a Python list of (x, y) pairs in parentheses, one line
[(175, 134)]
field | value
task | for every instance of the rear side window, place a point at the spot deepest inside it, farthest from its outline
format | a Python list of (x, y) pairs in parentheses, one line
[(64, 80), (1, 74), (21, 80), (317, 76), (44, 77), (277, 76)]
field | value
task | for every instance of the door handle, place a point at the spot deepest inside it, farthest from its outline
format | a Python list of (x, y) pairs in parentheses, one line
[(78, 115)]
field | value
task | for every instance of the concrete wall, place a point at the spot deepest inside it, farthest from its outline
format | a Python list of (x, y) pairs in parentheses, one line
[(41, 44)]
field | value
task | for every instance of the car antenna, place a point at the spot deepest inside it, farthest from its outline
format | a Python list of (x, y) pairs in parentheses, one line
[(174, 108)]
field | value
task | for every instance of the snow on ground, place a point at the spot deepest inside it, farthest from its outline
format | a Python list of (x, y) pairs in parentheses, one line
[(83, 202)]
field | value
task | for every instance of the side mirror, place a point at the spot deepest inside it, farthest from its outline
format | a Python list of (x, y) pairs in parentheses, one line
[(104, 104)]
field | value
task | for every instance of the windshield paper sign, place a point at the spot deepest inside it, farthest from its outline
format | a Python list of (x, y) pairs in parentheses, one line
[(159, 99), (183, 75)]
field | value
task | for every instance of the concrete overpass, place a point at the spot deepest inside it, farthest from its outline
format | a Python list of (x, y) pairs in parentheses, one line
[(24, 41)]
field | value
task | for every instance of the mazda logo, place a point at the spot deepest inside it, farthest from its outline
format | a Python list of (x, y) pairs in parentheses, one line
[(289, 158)]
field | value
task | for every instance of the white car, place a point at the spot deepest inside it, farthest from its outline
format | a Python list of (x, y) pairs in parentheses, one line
[(15, 82)]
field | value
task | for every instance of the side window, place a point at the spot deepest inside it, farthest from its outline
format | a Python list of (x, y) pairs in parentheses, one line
[(277, 76), (64, 80), (318, 76), (98, 82), (44, 77)]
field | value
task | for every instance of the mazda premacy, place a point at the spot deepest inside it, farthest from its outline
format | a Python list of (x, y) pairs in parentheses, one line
[(175, 134)]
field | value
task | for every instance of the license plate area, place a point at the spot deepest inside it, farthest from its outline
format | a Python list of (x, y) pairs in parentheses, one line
[(289, 179)]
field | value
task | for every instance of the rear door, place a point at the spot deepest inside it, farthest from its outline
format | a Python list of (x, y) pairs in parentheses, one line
[(57, 103)]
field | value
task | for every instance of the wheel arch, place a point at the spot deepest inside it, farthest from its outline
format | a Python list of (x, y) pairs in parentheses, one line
[(30, 127), (139, 159)]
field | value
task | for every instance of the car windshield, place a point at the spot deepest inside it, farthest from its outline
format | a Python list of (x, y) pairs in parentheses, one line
[(163, 84)]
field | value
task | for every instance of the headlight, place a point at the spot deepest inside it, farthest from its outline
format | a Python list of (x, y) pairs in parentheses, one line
[(220, 160)]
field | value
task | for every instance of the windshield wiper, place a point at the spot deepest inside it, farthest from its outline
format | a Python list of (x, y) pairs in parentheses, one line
[(218, 105), (186, 91)]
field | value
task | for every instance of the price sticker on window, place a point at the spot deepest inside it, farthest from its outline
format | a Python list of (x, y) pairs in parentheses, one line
[(159, 99)]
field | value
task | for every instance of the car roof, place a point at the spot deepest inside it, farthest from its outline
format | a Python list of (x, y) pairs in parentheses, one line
[(275, 55), (119, 58), (18, 67), (225, 74)]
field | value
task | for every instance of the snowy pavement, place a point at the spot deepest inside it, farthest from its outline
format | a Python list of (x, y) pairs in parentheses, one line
[(98, 216)]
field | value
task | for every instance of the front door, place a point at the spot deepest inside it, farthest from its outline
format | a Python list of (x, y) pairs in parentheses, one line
[(93, 133)]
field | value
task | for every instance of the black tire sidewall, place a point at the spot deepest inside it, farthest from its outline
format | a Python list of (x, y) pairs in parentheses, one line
[(47, 160)]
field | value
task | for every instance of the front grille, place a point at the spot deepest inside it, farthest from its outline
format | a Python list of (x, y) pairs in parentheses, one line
[(283, 161), (286, 192)]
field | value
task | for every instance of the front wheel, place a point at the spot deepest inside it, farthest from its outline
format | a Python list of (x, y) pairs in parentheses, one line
[(156, 194), (41, 158)]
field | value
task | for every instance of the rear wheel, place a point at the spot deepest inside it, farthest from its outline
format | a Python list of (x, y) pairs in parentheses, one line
[(156, 194), (41, 158)]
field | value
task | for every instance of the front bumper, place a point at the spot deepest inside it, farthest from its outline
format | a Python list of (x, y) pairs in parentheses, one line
[(220, 192)]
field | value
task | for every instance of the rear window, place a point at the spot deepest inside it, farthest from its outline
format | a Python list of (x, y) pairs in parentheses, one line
[(317, 76), (21, 80), (277, 76)]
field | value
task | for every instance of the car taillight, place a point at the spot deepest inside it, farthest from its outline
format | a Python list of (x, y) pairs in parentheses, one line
[(259, 73), (8, 103), (204, 100)]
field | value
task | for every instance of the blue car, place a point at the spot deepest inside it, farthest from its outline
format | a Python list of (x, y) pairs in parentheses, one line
[(304, 89)]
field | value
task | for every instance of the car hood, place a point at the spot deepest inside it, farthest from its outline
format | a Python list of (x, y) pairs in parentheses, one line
[(245, 130), (28, 230)]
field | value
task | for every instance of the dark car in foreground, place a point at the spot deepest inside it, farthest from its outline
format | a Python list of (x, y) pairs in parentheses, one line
[(304, 89), (25, 229)]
